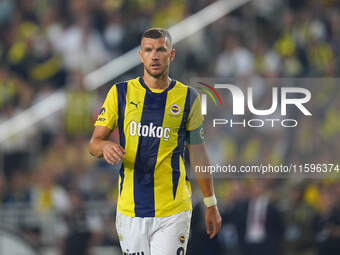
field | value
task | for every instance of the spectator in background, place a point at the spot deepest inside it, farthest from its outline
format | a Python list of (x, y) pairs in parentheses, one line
[(169, 13), (113, 34), (79, 105), (299, 234), (334, 21), (8, 88), (286, 47), (82, 48), (59, 149), (83, 230), (19, 190), (266, 61), (78, 239), (321, 57), (327, 222), (48, 196), (257, 221), (235, 60), (234, 194), (3, 188), (50, 126)]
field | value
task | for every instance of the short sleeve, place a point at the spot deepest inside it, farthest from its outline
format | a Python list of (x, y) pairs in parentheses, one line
[(108, 114), (195, 117), (194, 129)]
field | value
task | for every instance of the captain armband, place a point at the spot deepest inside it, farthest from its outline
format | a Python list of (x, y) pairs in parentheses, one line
[(195, 136)]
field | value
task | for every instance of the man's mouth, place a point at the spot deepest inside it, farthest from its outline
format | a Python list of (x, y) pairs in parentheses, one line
[(155, 66)]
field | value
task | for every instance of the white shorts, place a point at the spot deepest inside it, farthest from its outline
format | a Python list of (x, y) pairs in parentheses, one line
[(154, 235)]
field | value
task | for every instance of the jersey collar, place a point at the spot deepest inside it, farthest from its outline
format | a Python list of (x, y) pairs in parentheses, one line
[(172, 84)]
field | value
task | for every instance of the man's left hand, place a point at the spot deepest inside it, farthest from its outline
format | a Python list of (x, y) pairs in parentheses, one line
[(213, 221)]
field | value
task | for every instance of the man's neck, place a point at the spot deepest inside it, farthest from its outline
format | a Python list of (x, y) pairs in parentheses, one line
[(157, 83)]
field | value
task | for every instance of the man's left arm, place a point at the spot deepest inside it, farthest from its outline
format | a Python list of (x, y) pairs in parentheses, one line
[(199, 157)]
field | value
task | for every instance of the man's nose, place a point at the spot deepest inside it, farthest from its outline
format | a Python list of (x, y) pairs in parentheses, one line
[(155, 55)]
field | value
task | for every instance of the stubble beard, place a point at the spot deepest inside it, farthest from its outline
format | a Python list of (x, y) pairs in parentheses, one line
[(156, 76)]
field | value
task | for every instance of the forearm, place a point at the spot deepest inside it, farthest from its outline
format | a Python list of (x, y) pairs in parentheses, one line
[(96, 146), (206, 185), (199, 158)]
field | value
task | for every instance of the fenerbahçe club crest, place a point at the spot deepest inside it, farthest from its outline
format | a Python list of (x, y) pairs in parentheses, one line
[(175, 109)]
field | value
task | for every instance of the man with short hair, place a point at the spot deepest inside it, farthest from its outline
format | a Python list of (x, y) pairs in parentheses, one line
[(156, 116)]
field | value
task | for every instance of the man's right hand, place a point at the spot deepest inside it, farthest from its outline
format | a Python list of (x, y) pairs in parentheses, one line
[(101, 146), (113, 152)]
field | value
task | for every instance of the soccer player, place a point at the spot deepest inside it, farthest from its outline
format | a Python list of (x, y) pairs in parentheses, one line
[(156, 116)]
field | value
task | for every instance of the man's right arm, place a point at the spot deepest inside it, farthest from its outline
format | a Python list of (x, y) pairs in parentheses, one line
[(100, 146)]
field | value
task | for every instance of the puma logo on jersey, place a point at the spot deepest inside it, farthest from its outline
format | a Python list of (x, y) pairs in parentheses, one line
[(102, 111), (149, 130), (133, 103)]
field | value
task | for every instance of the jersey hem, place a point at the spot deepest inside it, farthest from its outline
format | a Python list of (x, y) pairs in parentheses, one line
[(99, 124), (188, 207)]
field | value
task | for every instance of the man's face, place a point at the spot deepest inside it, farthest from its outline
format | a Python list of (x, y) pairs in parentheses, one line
[(156, 56)]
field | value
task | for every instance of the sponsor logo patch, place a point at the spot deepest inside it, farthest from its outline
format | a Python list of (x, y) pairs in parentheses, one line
[(150, 130), (133, 253)]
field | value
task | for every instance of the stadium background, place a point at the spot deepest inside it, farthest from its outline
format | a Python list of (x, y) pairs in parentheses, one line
[(53, 194)]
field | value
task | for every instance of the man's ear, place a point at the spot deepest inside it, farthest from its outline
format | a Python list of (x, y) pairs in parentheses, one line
[(140, 55), (172, 54)]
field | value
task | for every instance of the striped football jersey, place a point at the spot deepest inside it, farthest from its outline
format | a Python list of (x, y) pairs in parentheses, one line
[(154, 126)]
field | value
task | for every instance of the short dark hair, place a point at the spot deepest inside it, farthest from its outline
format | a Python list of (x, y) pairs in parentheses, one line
[(157, 32)]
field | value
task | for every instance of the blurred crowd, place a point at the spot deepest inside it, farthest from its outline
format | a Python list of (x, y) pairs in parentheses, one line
[(271, 216), (47, 45)]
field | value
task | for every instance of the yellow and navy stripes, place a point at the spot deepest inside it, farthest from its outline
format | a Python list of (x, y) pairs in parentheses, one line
[(153, 127)]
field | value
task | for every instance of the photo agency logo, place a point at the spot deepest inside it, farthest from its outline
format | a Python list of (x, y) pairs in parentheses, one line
[(243, 110)]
